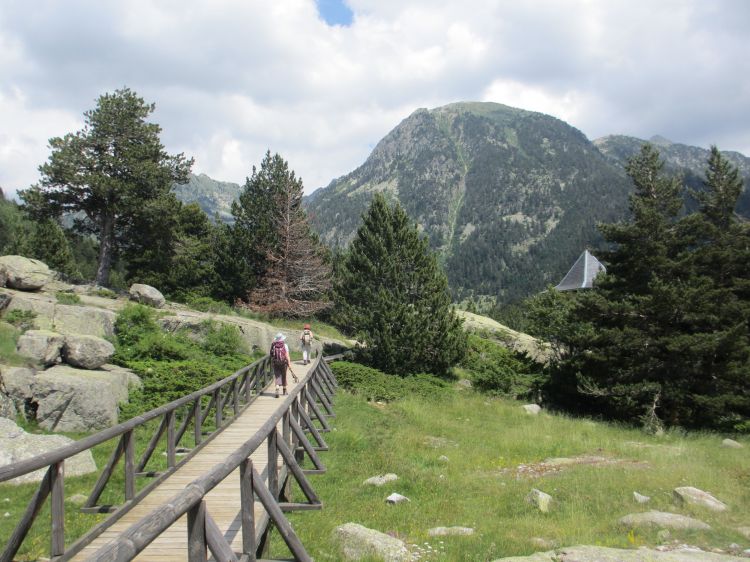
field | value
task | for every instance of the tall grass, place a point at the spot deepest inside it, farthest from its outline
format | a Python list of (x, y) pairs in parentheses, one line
[(480, 485)]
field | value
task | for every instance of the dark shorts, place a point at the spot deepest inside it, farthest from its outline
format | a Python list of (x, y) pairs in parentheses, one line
[(279, 373)]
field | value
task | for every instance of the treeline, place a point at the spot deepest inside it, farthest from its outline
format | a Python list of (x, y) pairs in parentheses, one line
[(104, 211), (664, 337)]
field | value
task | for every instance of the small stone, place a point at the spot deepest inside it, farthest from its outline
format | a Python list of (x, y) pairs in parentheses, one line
[(443, 458), (662, 520), (532, 409), (731, 444), (539, 499), (380, 479), (6, 514), (641, 498), (542, 543), (78, 499), (396, 498), (450, 531)]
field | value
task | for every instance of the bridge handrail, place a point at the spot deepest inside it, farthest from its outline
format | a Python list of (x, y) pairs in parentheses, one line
[(141, 533), (20, 468)]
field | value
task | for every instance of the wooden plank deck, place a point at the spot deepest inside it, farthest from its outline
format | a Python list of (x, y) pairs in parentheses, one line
[(223, 502)]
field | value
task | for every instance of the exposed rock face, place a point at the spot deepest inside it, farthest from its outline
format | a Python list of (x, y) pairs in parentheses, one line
[(24, 273), (5, 298), (146, 294), (604, 554), (694, 496), (663, 520), (84, 320), (729, 443), (87, 352), (17, 445), (7, 407), (43, 346), (3, 278), (359, 542), (78, 400)]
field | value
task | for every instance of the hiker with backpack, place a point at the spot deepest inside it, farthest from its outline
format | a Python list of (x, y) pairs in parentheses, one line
[(280, 362), (306, 340)]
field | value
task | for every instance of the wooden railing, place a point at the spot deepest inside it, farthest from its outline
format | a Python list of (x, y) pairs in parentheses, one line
[(227, 398)]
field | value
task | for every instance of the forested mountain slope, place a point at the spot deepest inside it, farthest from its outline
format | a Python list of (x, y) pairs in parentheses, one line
[(508, 197)]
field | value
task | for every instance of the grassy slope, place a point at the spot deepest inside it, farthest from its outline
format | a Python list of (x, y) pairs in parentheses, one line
[(479, 487)]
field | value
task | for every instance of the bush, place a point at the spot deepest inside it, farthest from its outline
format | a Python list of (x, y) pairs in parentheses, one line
[(207, 304), (133, 323), (375, 385), (67, 298), (105, 293), (21, 319), (222, 339), (497, 370)]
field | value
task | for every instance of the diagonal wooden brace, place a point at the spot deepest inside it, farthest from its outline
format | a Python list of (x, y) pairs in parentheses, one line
[(315, 410), (322, 445), (298, 474), (309, 449)]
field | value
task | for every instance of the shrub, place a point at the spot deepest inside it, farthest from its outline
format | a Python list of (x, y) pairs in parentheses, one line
[(105, 293), (67, 298), (21, 319), (377, 386), (222, 339), (207, 304), (497, 370), (133, 323)]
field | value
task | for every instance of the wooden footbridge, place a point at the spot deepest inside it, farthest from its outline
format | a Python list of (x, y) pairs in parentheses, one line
[(239, 449)]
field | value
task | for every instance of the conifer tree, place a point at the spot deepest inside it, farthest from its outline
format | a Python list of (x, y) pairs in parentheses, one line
[(392, 294)]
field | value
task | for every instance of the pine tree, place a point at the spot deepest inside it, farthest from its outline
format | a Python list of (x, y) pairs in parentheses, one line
[(107, 171), (391, 292)]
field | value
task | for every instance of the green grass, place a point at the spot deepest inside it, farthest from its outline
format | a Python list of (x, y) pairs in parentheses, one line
[(478, 487), (67, 298), (8, 338)]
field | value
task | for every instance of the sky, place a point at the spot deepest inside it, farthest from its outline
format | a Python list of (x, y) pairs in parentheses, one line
[(321, 82)]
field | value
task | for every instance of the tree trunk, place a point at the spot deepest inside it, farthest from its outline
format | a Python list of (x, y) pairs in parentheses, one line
[(106, 248)]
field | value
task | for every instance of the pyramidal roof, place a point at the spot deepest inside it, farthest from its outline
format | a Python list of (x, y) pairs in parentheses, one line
[(581, 275)]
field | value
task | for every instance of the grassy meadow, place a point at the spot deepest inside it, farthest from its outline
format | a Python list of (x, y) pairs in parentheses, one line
[(492, 446)]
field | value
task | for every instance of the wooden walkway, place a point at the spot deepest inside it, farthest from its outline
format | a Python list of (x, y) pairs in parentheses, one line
[(223, 502)]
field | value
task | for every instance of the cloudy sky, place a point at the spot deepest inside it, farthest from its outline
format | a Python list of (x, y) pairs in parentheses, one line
[(322, 81)]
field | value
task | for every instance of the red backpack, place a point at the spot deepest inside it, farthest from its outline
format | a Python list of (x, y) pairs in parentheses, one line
[(278, 354)]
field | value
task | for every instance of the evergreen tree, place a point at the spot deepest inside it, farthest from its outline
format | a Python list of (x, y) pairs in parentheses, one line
[(108, 171), (47, 242), (391, 292)]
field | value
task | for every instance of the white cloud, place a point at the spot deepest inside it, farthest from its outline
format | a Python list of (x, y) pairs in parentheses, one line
[(233, 78)]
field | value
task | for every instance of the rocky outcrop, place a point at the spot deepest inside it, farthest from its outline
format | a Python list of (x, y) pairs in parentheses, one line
[(358, 542), (604, 554), (17, 445), (24, 273), (146, 294), (694, 496), (540, 500), (87, 352), (16, 383), (5, 299), (663, 520), (7, 407), (71, 399), (43, 346)]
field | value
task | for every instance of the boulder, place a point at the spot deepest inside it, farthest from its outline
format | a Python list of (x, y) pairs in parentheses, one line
[(87, 352), (663, 520), (539, 499), (16, 383), (73, 319), (694, 496), (532, 409), (41, 305), (729, 443), (146, 294), (3, 277), (606, 554), (7, 407), (380, 479), (5, 299), (17, 445), (24, 273), (43, 346), (358, 542), (450, 531), (70, 399)]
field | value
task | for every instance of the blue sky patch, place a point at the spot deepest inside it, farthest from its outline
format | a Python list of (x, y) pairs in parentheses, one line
[(335, 12)]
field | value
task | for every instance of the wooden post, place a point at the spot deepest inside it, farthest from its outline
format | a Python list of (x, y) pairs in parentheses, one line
[(273, 464), (248, 387), (286, 439), (27, 519), (197, 421), (129, 444), (171, 445), (197, 551), (247, 503), (219, 405), (236, 396), (57, 508)]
